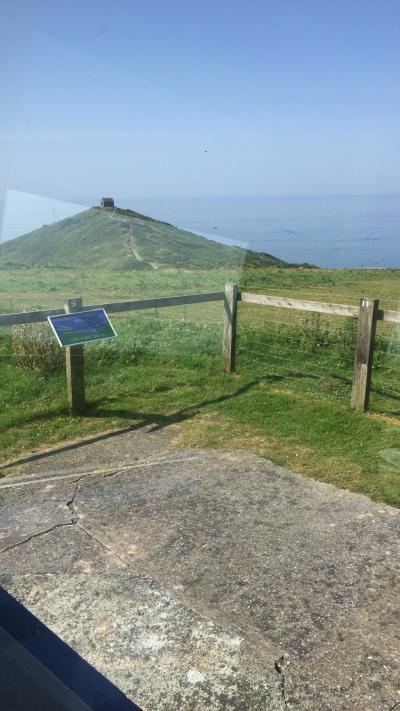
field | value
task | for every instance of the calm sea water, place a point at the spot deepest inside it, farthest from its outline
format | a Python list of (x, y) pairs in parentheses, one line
[(326, 231)]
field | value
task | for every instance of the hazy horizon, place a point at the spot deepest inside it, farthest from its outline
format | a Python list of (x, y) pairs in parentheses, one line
[(329, 231)]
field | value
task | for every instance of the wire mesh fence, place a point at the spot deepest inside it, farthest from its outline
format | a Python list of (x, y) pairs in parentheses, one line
[(307, 354), (310, 352), (174, 331), (314, 354), (386, 372)]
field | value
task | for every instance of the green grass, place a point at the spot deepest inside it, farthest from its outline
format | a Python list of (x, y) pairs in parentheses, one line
[(41, 287), (289, 401)]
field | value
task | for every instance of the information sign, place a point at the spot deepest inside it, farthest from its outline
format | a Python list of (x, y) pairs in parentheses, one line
[(81, 327)]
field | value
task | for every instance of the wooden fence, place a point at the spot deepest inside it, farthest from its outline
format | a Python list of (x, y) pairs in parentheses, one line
[(368, 313), (74, 355)]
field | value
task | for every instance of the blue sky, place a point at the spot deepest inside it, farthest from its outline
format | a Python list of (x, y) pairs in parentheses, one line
[(295, 97)]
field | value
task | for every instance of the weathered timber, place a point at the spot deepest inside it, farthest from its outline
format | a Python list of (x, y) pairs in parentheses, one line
[(28, 317), (299, 305), (113, 307), (390, 316), (162, 302), (364, 353), (74, 361), (229, 338)]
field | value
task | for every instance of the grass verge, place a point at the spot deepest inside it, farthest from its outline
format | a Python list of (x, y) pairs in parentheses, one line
[(292, 408)]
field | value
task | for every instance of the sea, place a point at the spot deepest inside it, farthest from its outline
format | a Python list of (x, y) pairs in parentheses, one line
[(334, 231)]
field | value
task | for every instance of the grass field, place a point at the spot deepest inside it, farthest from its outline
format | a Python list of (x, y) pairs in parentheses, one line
[(288, 402), (34, 288)]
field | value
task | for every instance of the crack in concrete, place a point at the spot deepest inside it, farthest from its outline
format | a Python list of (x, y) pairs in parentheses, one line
[(71, 502), (36, 535), (280, 669), (74, 520)]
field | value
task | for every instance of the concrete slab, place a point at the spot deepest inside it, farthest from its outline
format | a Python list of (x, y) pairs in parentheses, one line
[(195, 579)]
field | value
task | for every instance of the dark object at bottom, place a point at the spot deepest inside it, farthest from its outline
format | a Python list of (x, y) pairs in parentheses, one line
[(39, 671)]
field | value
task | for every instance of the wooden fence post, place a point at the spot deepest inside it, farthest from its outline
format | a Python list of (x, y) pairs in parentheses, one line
[(229, 342), (74, 361), (364, 353)]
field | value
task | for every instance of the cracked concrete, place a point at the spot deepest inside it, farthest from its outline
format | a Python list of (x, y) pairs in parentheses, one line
[(197, 579)]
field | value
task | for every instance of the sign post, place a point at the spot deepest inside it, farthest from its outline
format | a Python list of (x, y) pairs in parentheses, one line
[(229, 338), (74, 361), (72, 330)]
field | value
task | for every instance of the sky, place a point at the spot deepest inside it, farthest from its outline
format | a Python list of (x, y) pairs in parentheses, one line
[(205, 98)]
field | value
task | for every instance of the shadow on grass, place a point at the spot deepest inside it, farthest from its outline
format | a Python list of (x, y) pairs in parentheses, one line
[(376, 389), (156, 419), (345, 379), (159, 421), (61, 411)]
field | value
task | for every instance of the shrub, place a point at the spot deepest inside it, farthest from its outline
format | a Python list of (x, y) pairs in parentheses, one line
[(34, 347), (314, 334), (109, 352)]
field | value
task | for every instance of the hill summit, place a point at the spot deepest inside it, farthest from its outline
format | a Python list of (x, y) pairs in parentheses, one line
[(117, 239)]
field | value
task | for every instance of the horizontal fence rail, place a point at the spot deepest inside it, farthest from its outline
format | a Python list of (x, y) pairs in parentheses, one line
[(162, 302), (22, 317), (28, 317), (316, 306), (113, 307)]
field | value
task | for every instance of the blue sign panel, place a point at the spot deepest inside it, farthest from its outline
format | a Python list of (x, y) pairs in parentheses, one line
[(81, 327)]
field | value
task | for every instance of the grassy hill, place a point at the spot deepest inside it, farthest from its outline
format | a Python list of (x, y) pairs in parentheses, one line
[(118, 239)]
